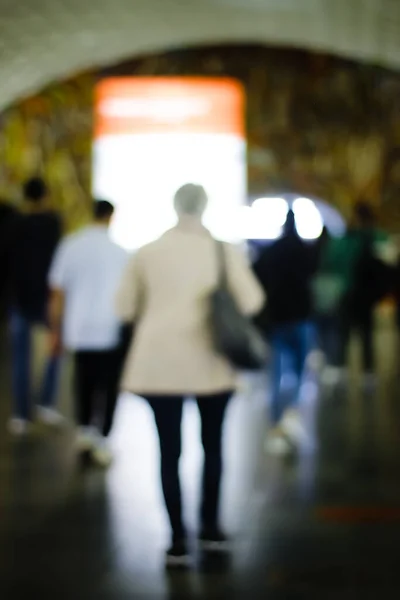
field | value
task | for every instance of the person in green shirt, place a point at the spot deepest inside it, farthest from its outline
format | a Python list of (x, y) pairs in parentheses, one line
[(353, 277)]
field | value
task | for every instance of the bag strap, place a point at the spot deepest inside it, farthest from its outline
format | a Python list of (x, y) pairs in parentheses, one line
[(222, 267)]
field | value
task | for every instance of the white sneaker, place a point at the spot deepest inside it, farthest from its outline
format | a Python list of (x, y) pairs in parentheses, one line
[(293, 426), (86, 438), (332, 376), (277, 444), (17, 426), (50, 416), (316, 361), (101, 453)]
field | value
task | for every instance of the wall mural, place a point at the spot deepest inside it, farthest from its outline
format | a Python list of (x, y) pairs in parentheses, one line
[(50, 134), (317, 125)]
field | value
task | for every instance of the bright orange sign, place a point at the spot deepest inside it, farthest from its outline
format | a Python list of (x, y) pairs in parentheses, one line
[(143, 105)]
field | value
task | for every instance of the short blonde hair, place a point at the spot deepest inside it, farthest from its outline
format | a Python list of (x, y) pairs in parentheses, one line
[(191, 199)]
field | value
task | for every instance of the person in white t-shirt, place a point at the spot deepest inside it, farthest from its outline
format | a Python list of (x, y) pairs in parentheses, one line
[(84, 278)]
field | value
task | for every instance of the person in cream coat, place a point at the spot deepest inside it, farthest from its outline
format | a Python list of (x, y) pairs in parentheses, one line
[(165, 293)]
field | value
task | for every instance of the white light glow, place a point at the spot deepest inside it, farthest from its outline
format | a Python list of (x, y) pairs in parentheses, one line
[(156, 135), (141, 174), (309, 222), (263, 220)]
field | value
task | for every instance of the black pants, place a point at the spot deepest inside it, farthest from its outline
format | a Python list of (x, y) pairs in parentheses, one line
[(362, 322), (168, 416), (97, 375), (330, 339)]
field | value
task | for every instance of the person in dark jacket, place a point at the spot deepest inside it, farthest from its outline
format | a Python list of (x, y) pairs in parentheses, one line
[(8, 214), (285, 269), (33, 240), (371, 283)]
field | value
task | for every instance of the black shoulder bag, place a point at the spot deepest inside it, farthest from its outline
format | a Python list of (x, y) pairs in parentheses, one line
[(234, 335)]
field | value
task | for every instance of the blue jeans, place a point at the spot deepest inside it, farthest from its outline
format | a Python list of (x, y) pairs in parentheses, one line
[(291, 343), (20, 328)]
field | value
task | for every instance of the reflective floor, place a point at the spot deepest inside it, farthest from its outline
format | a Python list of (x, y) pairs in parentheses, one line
[(326, 525)]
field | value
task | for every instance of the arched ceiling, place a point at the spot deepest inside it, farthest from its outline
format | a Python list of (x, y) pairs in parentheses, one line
[(43, 40)]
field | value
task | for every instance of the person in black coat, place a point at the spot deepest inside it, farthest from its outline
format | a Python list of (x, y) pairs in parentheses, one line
[(285, 270), (31, 243), (8, 215)]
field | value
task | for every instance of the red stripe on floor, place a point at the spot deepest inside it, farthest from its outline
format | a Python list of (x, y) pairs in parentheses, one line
[(358, 514)]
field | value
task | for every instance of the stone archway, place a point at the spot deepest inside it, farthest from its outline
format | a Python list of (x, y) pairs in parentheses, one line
[(45, 40)]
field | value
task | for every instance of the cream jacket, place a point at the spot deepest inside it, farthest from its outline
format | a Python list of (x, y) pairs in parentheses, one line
[(165, 291)]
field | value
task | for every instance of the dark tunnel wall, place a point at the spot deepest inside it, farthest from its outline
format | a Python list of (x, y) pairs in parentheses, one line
[(317, 125)]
